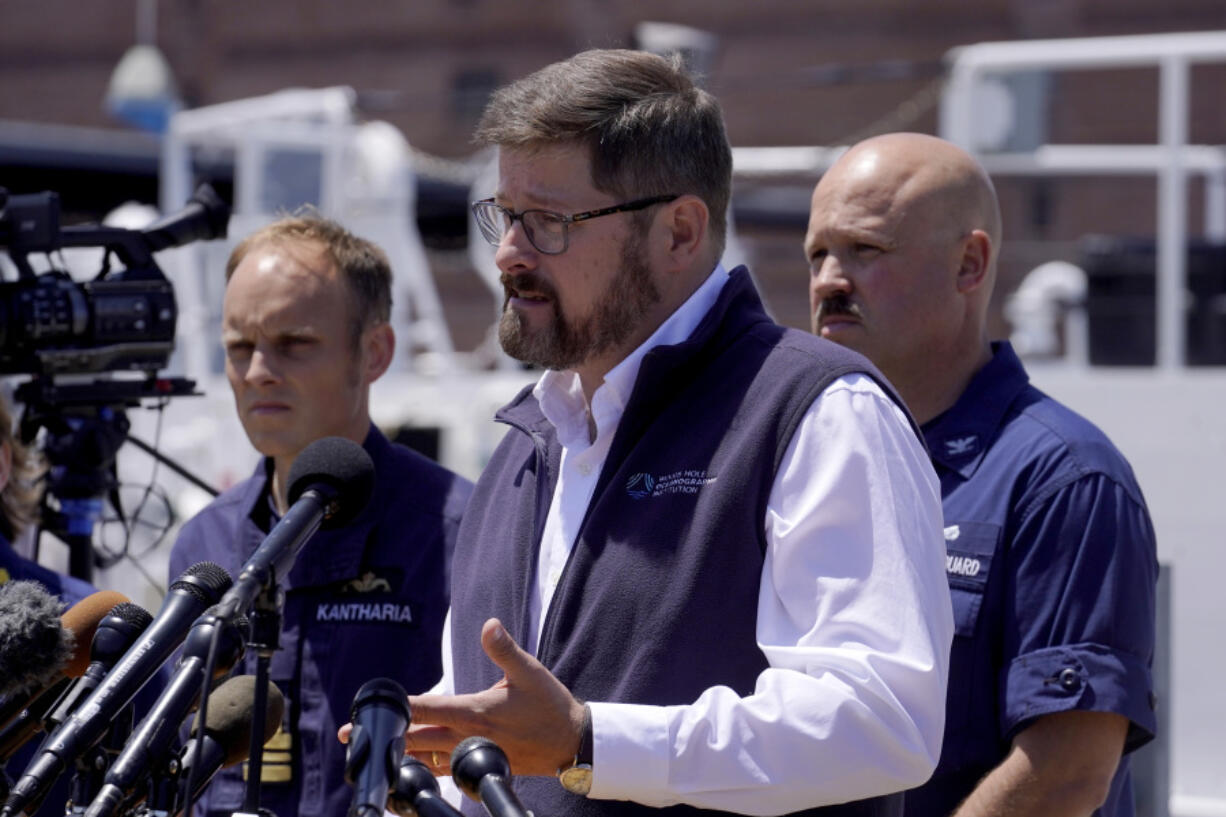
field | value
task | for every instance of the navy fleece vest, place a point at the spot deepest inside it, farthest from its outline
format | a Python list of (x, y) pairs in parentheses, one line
[(658, 598)]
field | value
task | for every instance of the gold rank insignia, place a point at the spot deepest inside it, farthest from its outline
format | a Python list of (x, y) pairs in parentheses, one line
[(278, 759)]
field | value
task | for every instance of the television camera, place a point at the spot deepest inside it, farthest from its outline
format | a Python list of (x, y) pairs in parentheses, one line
[(92, 349), (123, 320)]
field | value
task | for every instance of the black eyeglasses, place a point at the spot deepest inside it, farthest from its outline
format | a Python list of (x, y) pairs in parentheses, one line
[(546, 230)]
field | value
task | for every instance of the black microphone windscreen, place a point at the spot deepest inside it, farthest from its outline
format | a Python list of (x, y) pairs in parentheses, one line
[(340, 465), (34, 644), (204, 580), (132, 614), (383, 690), (415, 792), (475, 757), (481, 769), (83, 619)]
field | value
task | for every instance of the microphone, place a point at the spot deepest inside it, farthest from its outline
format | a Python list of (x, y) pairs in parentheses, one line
[(34, 646), (227, 732), (482, 771), (18, 603), (84, 618), (29, 722), (152, 740), (329, 483), (193, 592), (380, 714), (416, 794), (113, 635)]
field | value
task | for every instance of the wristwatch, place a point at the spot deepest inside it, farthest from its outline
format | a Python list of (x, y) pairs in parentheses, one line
[(577, 777)]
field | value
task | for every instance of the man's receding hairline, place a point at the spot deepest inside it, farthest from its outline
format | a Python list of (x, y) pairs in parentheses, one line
[(332, 270), (289, 244)]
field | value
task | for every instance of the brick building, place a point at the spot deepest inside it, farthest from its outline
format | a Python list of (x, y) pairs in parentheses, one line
[(788, 72)]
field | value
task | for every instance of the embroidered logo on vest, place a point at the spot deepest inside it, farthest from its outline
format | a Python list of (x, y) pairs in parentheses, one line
[(689, 481), (640, 486)]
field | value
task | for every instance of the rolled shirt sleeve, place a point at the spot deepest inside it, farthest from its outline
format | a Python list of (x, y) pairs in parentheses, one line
[(1079, 629), (854, 618)]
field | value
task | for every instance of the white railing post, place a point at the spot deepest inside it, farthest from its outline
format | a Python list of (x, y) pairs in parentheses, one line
[(1172, 249)]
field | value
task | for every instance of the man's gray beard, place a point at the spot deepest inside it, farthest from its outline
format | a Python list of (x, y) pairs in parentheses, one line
[(564, 345)]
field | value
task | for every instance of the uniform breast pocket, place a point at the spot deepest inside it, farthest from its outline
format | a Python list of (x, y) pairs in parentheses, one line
[(969, 550)]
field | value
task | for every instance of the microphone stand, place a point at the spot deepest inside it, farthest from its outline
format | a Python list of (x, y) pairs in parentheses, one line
[(92, 765), (163, 786), (86, 425), (265, 640)]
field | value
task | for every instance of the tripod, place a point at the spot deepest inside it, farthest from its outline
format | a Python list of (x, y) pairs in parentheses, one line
[(86, 424)]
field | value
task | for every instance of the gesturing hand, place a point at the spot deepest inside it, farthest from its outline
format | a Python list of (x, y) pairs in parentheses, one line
[(529, 713)]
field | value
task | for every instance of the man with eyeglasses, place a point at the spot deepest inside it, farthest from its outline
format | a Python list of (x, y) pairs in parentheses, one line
[(704, 567)]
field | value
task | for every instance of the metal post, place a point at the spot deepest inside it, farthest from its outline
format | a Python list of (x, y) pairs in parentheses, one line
[(1172, 249)]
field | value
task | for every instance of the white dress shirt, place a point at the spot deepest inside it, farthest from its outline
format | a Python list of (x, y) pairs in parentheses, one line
[(854, 613)]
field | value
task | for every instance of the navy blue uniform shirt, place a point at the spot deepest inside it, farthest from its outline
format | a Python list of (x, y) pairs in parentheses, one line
[(1052, 566), (367, 600)]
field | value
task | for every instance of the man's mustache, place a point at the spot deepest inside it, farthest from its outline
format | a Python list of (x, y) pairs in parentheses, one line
[(839, 304), (527, 282)]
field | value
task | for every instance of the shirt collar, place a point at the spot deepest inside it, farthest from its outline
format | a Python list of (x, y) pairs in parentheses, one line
[(330, 554), (959, 437), (261, 507), (560, 393)]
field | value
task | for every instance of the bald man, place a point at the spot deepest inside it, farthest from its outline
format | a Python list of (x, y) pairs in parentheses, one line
[(1050, 551)]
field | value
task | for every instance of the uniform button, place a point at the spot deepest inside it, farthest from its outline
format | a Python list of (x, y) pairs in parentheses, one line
[(554, 577), (585, 469), (1068, 679)]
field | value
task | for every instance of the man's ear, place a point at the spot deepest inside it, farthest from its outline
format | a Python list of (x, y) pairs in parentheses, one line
[(975, 263), (684, 230), (378, 347)]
